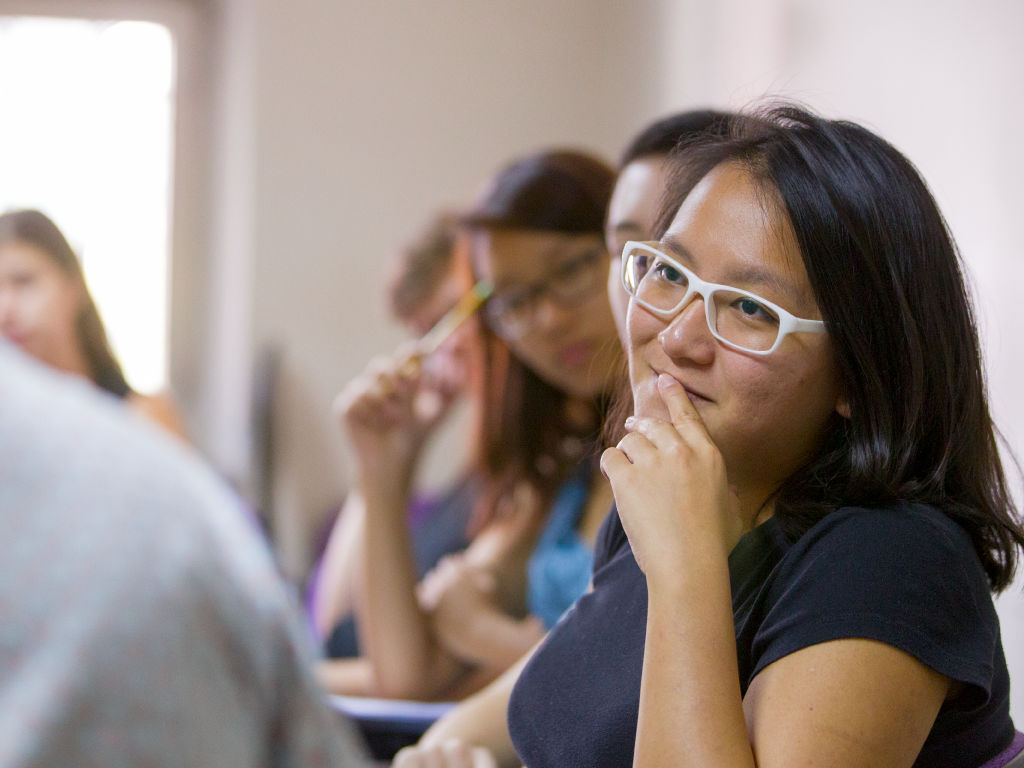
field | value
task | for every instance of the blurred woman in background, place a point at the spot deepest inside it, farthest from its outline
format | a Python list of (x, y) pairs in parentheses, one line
[(432, 274), (537, 237), (46, 310)]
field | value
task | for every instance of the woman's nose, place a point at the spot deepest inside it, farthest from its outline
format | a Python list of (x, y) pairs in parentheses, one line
[(687, 336), (549, 315)]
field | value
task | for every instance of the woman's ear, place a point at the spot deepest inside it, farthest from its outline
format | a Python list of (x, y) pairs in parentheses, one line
[(843, 406)]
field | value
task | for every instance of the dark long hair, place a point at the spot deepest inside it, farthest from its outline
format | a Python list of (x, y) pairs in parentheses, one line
[(36, 228), (889, 282), (527, 432)]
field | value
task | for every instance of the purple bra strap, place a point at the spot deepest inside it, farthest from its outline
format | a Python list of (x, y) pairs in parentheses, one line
[(1002, 760)]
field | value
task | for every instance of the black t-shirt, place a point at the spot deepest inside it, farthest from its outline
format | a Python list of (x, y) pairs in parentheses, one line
[(906, 576)]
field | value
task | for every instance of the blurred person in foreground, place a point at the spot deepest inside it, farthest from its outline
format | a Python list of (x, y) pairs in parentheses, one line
[(143, 620), (46, 309), (476, 733), (537, 237), (432, 274)]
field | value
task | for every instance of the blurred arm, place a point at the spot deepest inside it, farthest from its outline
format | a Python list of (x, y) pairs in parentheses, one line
[(340, 571)]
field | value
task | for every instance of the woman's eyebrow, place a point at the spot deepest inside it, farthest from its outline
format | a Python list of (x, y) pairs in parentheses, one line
[(747, 275), (750, 275), (677, 249)]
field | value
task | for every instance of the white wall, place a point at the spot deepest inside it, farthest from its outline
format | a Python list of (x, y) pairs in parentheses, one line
[(941, 79)]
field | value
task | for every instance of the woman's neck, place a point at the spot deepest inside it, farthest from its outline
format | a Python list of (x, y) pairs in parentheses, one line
[(68, 357), (756, 506), (579, 413)]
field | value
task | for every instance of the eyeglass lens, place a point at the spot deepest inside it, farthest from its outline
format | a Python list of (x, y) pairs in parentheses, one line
[(570, 282), (737, 317)]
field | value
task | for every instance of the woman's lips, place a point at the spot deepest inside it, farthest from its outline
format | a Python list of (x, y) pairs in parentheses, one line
[(695, 396), (576, 354), (15, 337)]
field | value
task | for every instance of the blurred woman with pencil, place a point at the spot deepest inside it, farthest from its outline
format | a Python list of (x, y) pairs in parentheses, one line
[(552, 359), (432, 274)]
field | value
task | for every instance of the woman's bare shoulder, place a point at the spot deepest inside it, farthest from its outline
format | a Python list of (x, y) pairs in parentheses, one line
[(161, 409)]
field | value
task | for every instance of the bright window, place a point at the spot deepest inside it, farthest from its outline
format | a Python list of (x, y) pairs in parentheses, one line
[(86, 136)]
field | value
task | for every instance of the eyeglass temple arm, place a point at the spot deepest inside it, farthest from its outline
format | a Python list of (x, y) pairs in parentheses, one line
[(808, 326)]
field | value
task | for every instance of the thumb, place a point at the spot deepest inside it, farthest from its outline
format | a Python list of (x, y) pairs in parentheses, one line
[(482, 758)]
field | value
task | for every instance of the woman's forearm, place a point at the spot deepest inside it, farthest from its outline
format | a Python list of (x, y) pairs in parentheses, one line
[(340, 569), (395, 634), (691, 710), (345, 677), (497, 641)]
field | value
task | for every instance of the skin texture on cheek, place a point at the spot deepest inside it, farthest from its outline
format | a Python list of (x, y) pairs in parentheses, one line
[(777, 418)]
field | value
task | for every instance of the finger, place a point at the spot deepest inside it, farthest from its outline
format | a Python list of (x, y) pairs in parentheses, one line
[(660, 432), (395, 410), (638, 448), (367, 413), (613, 464), (391, 382), (429, 405), (457, 754), (433, 757), (410, 757), (428, 593), (482, 758), (357, 392), (684, 416)]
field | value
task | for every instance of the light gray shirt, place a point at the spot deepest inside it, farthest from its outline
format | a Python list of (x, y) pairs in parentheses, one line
[(142, 622)]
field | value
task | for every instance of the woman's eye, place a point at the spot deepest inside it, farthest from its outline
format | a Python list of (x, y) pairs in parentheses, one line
[(669, 274), (580, 265), (570, 270), (514, 303), (755, 310)]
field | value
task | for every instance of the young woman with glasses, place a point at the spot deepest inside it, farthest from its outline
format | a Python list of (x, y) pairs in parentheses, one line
[(811, 510), (536, 236), (432, 274)]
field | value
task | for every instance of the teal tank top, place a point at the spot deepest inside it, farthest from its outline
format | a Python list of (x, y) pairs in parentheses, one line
[(559, 570)]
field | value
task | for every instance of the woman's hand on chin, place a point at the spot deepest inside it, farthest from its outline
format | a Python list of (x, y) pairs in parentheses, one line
[(670, 487)]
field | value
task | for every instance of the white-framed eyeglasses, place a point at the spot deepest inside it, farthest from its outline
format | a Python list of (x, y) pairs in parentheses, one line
[(738, 319)]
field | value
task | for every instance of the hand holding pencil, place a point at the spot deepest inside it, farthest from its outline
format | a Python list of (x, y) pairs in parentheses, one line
[(388, 411)]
